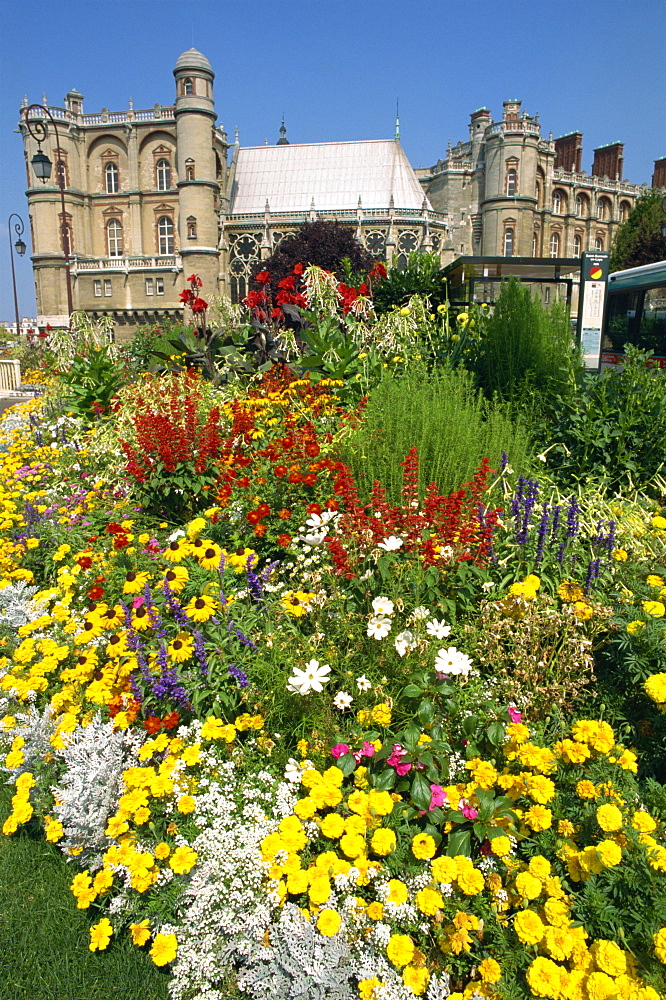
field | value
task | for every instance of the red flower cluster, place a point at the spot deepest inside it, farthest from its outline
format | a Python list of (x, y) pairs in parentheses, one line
[(174, 435), (189, 296), (459, 520), (153, 724)]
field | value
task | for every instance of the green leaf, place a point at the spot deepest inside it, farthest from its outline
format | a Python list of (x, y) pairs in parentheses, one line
[(347, 763), (385, 780), (460, 842), (421, 794)]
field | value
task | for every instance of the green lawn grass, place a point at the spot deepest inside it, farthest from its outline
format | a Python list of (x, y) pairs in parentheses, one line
[(44, 952)]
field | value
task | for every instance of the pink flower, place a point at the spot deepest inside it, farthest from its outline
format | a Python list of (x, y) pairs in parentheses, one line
[(138, 601), (437, 797), (339, 750), (469, 812), (368, 749), (394, 760), (514, 714)]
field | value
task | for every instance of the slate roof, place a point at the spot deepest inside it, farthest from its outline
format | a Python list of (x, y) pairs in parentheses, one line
[(332, 174)]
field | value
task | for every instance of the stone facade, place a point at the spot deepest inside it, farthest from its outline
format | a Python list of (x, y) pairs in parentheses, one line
[(508, 191), (152, 196)]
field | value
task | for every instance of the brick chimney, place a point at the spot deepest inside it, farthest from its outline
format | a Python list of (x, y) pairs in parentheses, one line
[(608, 161), (569, 152), (659, 175)]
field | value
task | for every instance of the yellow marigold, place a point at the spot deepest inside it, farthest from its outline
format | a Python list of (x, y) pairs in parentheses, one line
[(164, 949), (423, 846), (353, 845), (380, 803), (659, 940), (540, 789), (586, 789), (140, 932), (654, 608), (501, 846), (328, 922), (643, 822), (655, 688), (557, 912), (415, 978), (598, 735), (490, 970), (528, 886), (397, 891), (540, 867), (320, 890), (444, 869), (183, 860), (573, 752), (381, 714), (100, 935), (583, 611), (383, 841), (655, 581), (528, 926), (429, 901), (610, 853), (333, 826), (609, 957), (569, 591), (517, 732), (470, 881), (599, 986), (366, 988), (538, 818), (633, 628), (620, 555), (609, 818), (483, 772), (545, 978), (400, 949)]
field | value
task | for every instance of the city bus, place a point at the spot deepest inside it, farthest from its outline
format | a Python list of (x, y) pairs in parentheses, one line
[(635, 313)]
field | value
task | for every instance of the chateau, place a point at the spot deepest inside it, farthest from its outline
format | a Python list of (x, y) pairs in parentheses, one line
[(154, 195)]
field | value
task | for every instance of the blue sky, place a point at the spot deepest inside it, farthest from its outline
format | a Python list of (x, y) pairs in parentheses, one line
[(335, 68)]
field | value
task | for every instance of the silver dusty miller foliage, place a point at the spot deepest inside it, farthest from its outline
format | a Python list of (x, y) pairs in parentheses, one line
[(16, 607), (299, 964), (93, 760)]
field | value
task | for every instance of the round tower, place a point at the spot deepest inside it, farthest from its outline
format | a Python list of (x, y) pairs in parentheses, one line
[(196, 166)]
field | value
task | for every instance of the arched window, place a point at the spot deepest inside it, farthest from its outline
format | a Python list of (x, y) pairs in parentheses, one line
[(624, 211), (557, 203), (577, 246), (191, 228), (508, 242), (599, 243), (188, 87), (114, 238), (189, 170), (535, 243), (511, 183), (112, 178), (601, 209), (537, 194), (554, 244), (165, 234), (163, 175), (61, 175)]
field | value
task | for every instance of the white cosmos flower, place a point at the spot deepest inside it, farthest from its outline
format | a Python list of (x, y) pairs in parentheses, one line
[(342, 700), (451, 661), (420, 613), (439, 630), (362, 683), (390, 544), (312, 678), (378, 628), (315, 538), (382, 606), (404, 643)]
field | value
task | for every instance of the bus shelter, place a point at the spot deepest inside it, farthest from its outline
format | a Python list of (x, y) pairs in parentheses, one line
[(478, 279)]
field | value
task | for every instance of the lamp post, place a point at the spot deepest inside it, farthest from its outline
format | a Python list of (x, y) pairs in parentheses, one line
[(42, 167), (20, 249)]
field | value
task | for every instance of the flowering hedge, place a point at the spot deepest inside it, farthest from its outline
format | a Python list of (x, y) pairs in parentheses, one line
[(305, 735)]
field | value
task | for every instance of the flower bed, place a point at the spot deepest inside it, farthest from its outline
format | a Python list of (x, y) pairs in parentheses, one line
[(338, 746)]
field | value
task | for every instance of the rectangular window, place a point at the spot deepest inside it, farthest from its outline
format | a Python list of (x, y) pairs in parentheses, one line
[(159, 286), (149, 286), (97, 288), (107, 286)]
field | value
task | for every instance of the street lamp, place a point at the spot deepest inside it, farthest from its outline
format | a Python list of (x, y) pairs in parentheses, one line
[(20, 249), (42, 165)]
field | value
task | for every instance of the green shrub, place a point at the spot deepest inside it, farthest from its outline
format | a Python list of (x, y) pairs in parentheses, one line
[(612, 427), (527, 351), (444, 416), (421, 276)]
